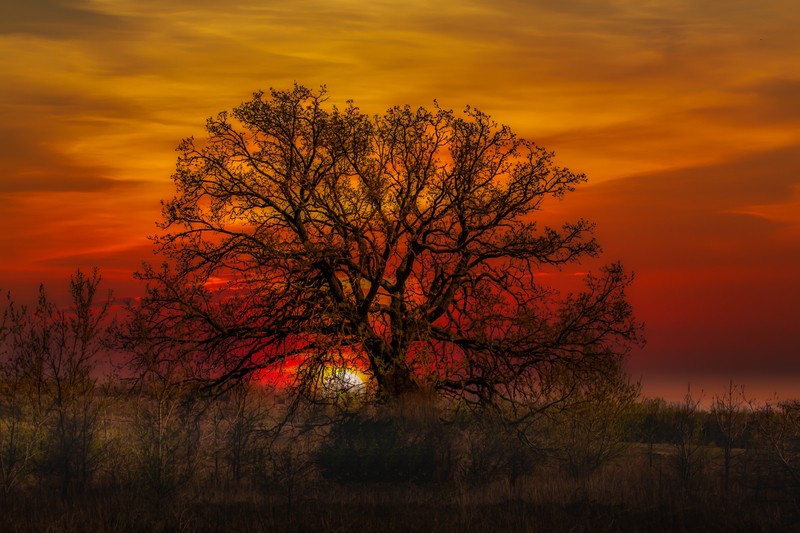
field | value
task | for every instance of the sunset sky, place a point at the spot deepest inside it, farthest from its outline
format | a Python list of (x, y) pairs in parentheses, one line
[(684, 114)]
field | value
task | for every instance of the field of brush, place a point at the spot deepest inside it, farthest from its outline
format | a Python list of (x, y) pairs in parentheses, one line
[(247, 461)]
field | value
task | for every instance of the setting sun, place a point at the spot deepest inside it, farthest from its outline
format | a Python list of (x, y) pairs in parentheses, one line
[(343, 380)]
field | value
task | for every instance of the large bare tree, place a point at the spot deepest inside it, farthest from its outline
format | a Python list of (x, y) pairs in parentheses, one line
[(405, 245)]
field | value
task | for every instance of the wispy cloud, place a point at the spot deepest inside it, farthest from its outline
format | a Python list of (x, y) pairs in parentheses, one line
[(55, 19)]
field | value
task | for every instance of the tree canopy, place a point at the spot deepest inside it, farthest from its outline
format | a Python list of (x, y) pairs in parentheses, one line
[(405, 245)]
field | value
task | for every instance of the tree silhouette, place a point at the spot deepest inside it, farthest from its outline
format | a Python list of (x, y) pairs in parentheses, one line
[(404, 245)]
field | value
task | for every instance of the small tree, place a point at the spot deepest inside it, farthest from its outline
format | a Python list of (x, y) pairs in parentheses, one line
[(591, 431), (778, 426), (239, 418), (687, 422), (650, 425), (165, 429), (22, 411), (731, 419), (49, 375), (408, 241)]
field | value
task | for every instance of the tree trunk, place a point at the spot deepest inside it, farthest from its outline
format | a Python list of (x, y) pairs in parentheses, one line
[(389, 368), (396, 382)]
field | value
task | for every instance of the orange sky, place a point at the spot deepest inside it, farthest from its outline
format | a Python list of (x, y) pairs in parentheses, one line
[(685, 115)]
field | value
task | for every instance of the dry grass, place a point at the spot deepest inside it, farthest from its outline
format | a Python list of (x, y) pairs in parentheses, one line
[(281, 485), (630, 495)]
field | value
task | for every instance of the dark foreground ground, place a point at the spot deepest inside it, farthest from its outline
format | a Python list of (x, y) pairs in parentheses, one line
[(636, 493)]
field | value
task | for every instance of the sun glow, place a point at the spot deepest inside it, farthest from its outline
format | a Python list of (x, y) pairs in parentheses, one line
[(337, 380)]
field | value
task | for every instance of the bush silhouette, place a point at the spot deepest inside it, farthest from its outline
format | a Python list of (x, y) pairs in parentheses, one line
[(379, 449)]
